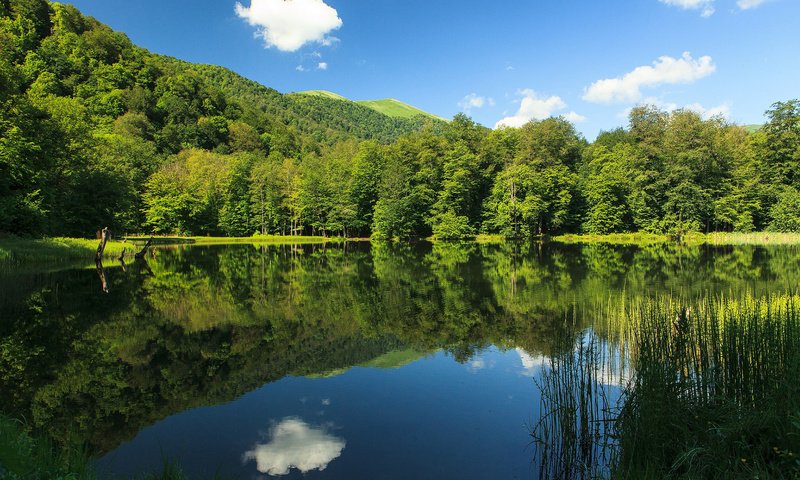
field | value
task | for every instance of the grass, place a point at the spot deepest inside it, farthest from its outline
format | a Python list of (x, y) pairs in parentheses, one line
[(715, 238), (757, 238), (257, 239), (17, 251), (711, 391), (395, 108), (388, 106), (323, 93), (613, 238)]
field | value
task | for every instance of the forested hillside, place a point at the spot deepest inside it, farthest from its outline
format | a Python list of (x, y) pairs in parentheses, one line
[(95, 131), (87, 118)]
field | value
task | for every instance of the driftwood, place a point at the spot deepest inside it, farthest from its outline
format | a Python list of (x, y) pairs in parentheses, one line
[(143, 251)]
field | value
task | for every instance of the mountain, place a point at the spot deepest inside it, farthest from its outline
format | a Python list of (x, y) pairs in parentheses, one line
[(388, 106)]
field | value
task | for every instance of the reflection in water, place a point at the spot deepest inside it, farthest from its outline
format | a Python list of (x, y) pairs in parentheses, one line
[(295, 444), (530, 363), (200, 326)]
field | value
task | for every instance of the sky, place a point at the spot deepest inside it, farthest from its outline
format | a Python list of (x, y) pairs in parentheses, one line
[(501, 63)]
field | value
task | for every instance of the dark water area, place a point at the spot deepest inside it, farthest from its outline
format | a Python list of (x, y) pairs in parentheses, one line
[(350, 361)]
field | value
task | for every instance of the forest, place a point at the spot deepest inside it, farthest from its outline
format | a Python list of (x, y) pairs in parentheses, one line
[(95, 131)]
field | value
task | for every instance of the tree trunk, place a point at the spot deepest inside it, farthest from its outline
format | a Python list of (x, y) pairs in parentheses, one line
[(143, 251), (101, 248)]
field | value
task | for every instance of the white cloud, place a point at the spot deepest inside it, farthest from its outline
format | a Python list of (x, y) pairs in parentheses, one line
[(300, 68), (706, 6), (294, 444), (748, 4), (289, 24), (665, 71), (723, 110), (574, 117), (474, 100), (534, 107), (322, 66)]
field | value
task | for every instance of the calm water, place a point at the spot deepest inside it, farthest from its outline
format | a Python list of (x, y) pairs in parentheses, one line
[(364, 361)]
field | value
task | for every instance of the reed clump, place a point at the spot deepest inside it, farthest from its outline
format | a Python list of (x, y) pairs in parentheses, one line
[(679, 388), (715, 391)]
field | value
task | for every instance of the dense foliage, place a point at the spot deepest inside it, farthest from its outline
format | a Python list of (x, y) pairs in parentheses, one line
[(97, 132)]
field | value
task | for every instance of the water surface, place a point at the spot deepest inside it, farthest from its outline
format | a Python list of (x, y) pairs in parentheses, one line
[(355, 361)]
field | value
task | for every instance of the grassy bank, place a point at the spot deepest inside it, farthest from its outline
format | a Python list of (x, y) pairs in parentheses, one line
[(19, 251), (717, 238), (613, 238), (15, 250), (255, 239)]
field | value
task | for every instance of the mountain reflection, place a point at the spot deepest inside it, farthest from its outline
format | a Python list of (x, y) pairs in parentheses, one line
[(295, 444)]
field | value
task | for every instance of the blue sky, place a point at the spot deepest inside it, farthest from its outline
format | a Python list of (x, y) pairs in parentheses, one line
[(498, 61)]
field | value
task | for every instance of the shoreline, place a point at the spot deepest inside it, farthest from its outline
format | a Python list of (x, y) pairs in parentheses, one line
[(19, 250)]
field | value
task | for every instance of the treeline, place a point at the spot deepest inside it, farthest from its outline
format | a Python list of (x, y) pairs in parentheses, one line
[(97, 132)]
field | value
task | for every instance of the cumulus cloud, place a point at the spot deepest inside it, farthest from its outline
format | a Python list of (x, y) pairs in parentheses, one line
[(748, 4), (664, 71), (574, 117), (534, 107), (706, 7), (295, 444), (723, 110), (322, 66), (289, 24), (474, 100)]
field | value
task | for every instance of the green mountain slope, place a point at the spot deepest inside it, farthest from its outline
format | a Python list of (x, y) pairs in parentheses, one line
[(323, 93), (752, 128), (388, 106), (396, 108)]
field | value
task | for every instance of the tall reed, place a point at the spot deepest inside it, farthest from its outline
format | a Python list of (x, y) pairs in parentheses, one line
[(712, 390)]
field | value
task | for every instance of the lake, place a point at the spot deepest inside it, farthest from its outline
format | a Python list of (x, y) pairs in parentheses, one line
[(358, 360)]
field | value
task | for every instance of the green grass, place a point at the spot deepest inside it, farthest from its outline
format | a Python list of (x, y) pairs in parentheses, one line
[(388, 106), (757, 238), (395, 108), (614, 238), (323, 93), (752, 128), (717, 238), (255, 239), (19, 251)]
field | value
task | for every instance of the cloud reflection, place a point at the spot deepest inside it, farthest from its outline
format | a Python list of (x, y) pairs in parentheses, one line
[(295, 444), (530, 364)]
